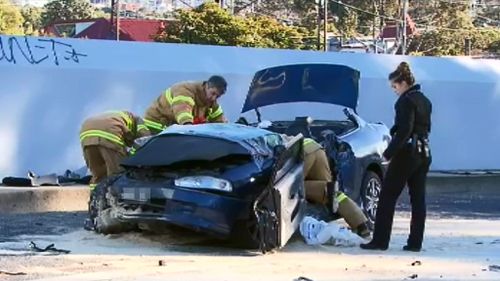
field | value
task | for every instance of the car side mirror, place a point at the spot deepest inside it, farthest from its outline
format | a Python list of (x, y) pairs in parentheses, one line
[(242, 120)]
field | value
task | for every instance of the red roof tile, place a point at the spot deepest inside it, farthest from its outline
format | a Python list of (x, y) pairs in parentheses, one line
[(130, 29)]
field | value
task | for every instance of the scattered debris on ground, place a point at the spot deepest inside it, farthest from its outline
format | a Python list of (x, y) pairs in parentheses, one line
[(495, 268), (413, 276), (11, 273), (416, 263), (301, 278), (49, 248)]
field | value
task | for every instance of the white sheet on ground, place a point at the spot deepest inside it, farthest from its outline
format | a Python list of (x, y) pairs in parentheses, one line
[(316, 232)]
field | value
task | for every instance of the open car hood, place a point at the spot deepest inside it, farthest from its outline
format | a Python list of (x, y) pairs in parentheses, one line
[(325, 83), (204, 142)]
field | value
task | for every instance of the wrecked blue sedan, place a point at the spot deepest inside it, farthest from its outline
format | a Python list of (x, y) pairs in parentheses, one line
[(230, 181), (244, 182)]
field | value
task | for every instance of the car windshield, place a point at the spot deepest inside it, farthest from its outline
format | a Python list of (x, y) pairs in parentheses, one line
[(288, 112)]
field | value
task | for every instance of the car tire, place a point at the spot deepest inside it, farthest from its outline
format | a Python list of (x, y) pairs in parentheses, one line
[(105, 221), (370, 192), (244, 234)]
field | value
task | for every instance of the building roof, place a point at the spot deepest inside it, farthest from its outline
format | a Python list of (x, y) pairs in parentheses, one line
[(130, 29)]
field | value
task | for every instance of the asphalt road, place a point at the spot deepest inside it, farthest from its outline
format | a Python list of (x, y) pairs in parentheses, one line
[(468, 206)]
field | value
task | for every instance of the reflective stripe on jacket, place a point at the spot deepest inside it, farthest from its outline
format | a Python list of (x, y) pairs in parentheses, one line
[(311, 146), (114, 129), (181, 104)]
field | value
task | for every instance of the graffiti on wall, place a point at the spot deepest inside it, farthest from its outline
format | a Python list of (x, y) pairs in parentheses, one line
[(36, 51)]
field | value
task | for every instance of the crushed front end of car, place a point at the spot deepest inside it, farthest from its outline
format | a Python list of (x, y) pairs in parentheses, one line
[(229, 181)]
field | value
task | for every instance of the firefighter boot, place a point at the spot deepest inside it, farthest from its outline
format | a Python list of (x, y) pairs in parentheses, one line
[(353, 215), (363, 230)]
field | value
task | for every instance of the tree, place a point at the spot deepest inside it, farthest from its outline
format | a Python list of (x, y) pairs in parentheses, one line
[(11, 20), (301, 13), (347, 22), (452, 26), (269, 33), (32, 20), (369, 13), (61, 10), (102, 13), (208, 24)]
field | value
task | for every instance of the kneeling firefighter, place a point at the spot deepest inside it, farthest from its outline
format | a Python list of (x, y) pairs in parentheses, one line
[(321, 189)]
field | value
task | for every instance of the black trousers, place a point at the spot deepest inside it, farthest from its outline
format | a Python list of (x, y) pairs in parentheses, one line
[(406, 167)]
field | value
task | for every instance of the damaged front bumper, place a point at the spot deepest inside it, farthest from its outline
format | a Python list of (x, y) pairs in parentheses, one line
[(195, 209)]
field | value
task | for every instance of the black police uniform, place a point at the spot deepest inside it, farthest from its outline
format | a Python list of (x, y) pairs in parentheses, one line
[(410, 160)]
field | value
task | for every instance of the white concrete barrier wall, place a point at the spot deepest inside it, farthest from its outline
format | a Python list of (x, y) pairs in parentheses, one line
[(48, 86)]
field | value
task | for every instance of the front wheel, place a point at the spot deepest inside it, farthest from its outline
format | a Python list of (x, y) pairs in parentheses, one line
[(102, 213), (372, 184)]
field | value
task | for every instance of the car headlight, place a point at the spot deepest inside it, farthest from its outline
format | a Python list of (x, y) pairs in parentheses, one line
[(204, 182)]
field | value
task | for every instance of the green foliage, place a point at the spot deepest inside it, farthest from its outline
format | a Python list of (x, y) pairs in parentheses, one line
[(210, 25), (366, 21), (32, 20), (11, 20), (348, 22), (62, 10), (454, 27)]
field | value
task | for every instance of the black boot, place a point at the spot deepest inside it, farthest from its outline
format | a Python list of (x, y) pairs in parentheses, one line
[(411, 248), (363, 230), (373, 246)]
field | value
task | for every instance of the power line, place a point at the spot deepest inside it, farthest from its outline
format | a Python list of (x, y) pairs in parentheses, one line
[(457, 29), (365, 11), (489, 19), (467, 2), (187, 4)]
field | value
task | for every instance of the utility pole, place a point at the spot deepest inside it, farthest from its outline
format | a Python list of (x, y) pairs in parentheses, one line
[(374, 19), (115, 18), (325, 25), (318, 9), (382, 12), (405, 11)]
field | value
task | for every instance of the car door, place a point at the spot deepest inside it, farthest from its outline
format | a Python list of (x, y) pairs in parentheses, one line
[(281, 206)]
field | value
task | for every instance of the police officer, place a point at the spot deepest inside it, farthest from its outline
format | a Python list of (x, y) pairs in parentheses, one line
[(409, 156)]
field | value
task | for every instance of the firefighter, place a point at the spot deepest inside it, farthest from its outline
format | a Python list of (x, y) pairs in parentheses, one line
[(321, 189), (105, 139), (410, 158), (187, 103)]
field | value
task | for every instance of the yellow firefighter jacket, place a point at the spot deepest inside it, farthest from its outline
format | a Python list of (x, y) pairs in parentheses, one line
[(180, 104), (115, 130)]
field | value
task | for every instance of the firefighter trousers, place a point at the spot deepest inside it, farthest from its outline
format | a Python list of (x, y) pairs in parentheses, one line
[(317, 175), (406, 167), (102, 162)]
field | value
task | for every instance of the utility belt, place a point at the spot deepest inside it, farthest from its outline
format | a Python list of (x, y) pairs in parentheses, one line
[(420, 145)]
